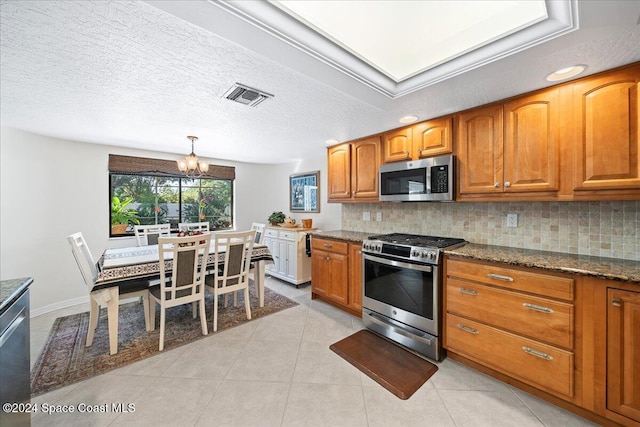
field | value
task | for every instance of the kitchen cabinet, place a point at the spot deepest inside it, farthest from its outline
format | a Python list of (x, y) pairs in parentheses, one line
[(607, 145), (330, 269), (515, 321), (425, 139), (623, 353), (337, 273), (290, 261), (512, 147), (353, 171)]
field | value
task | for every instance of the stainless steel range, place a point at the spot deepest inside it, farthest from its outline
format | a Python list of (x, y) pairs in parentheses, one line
[(402, 287)]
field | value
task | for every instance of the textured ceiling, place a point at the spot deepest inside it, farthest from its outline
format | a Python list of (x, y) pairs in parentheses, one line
[(147, 74)]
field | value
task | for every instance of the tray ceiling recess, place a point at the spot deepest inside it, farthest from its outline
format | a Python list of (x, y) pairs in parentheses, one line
[(398, 47)]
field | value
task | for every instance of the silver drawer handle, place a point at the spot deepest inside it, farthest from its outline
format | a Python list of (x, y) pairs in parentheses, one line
[(327, 245), (537, 308), (500, 277), (537, 353), (473, 331), (468, 291)]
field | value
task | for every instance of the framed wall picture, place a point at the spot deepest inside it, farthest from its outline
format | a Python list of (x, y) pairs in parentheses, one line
[(304, 192)]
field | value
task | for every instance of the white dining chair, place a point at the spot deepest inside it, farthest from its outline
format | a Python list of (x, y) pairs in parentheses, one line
[(148, 234), (89, 272), (259, 228), (184, 284), (194, 226), (233, 275)]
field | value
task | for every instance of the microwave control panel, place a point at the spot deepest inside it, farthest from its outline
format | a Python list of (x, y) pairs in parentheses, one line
[(440, 179)]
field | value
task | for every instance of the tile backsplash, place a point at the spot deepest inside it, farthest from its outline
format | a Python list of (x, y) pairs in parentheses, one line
[(606, 229)]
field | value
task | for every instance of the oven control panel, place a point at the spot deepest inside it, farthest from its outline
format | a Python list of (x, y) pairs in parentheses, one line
[(402, 252)]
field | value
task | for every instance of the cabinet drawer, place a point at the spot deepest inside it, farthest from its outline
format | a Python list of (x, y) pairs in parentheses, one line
[(546, 367), (329, 245), (271, 232), (539, 318), (289, 235), (493, 274)]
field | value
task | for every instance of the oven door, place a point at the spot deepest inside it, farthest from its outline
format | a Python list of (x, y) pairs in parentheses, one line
[(403, 291)]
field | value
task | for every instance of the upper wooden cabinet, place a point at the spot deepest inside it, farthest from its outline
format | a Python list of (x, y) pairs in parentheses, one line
[(510, 148), (353, 171), (426, 139), (607, 122)]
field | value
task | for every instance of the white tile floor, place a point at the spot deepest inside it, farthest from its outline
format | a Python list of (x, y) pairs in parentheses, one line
[(279, 371)]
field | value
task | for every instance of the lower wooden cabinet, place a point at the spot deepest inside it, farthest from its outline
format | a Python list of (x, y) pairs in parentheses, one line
[(336, 273), (570, 339), (623, 353)]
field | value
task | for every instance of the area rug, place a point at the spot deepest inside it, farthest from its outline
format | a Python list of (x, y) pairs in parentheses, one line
[(396, 369), (65, 359)]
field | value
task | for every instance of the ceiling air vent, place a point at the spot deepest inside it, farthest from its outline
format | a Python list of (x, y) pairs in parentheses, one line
[(246, 95)]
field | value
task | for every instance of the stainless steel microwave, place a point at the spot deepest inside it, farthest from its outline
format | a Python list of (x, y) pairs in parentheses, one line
[(429, 179)]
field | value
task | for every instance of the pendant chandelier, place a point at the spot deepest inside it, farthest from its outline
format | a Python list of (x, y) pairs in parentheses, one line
[(191, 166)]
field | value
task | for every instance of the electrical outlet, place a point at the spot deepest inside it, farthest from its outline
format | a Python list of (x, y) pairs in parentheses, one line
[(366, 216), (512, 220), (378, 216)]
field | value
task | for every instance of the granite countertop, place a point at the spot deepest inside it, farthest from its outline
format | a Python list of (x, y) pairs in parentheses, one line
[(605, 268), (11, 289), (349, 236)]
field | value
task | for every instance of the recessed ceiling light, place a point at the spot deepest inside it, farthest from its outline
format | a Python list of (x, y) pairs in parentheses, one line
[(331, 141), (408, 119), (565, 73)]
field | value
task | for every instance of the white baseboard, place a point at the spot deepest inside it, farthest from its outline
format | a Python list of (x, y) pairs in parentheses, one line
[(58, 306), (66, 304)]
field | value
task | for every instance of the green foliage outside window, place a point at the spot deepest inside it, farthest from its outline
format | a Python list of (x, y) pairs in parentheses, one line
[(161, 199)]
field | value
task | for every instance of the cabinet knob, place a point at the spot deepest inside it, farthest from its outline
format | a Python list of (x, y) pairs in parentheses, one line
[(327, 258), (507, 184), (496, 184), (616, 302)]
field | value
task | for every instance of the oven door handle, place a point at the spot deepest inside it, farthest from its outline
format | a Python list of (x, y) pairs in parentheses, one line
[(377, 319), (398, 264)]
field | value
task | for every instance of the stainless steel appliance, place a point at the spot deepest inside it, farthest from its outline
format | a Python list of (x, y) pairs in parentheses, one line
[(402, 289), (15, 369), (429, 179)]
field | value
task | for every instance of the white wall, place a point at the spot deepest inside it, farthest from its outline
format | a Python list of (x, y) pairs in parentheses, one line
[(51, 188)]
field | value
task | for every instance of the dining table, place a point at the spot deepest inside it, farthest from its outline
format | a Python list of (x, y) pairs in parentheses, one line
[(119, 268)]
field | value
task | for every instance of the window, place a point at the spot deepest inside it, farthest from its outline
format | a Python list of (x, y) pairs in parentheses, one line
[(161, 195)]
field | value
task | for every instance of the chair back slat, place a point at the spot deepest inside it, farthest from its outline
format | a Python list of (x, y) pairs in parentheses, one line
[(194, 226), (147, 235), (84, 259), (259, 229), (189, 261)]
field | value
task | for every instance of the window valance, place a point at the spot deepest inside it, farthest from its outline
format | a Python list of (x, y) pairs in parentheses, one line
[(144, 165)]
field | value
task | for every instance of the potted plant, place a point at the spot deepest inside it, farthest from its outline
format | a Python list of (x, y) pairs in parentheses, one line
[(276, 218), (121, 216)]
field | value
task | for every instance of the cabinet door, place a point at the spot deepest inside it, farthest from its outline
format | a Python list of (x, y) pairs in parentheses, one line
[(397, 145), (480, 150), (355, 276), (364, 168), (607, 123), (320, 272), (339, 172), (623, 353), (292, 258), (272, 244), (338, 277), (432, 138), (281, 261), (531, 143)]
